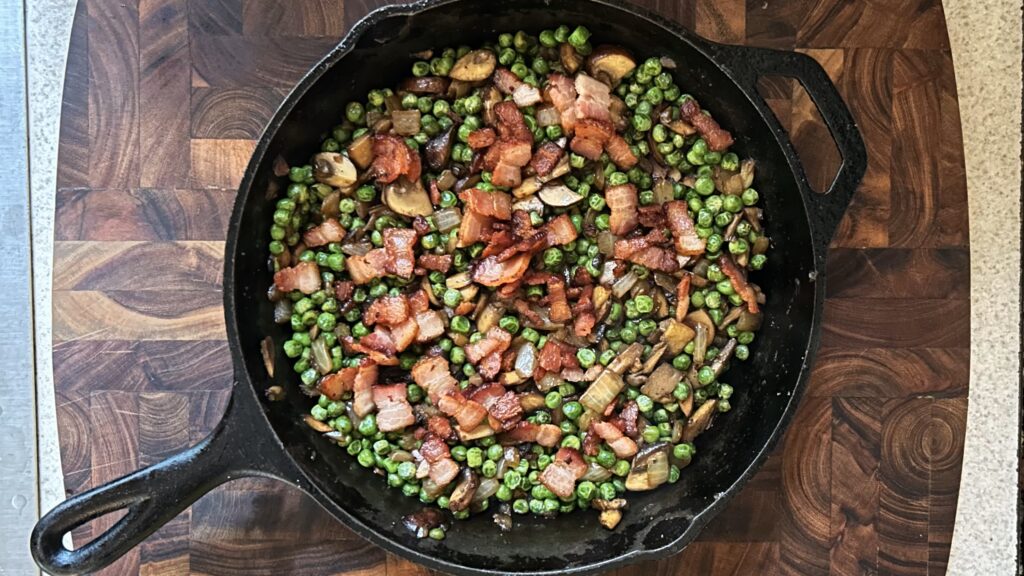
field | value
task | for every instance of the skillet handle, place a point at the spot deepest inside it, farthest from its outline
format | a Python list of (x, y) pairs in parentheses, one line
[(156, 494), (826, 209)]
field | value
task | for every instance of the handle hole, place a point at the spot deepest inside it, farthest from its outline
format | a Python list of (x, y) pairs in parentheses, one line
[(90, 530), (798, 115)]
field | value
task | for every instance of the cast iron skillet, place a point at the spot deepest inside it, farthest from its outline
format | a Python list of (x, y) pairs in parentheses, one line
[(262, 438)]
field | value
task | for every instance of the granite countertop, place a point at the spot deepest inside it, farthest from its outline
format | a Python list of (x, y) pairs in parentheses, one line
[(986, 44)]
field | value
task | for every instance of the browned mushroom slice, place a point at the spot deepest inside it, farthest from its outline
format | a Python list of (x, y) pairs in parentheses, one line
[(425, 85), (473, 67), (558, 195), (700, 420), (571, 60), (334, 170), (610, 64), (662, 383), (360, 151), (464, 490), (650, 468), (407, 198)]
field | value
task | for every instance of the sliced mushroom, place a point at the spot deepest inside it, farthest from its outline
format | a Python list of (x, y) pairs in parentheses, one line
[(531, 402), (334, 170), (748, 321), (425, 85), (527, 188), (676, 335), (458, 281), (407, 198), (718, 364), (571, 60), (662, 383), (531, 204), (360, 151), (473, 67), (650, 468), (625, 360), (316, 424), (652, 359), (439, 149), (614, 504), (559, 196), (700, 421), (610, 64), (701, 317), (464, 490), (481, 431)]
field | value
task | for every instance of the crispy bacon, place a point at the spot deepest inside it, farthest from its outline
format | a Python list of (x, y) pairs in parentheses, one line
[(586, 147), (343, 290), (591, 442), (474, 228), (688, 243), (561, 474), (418, 301), (304, 277), (682, 297), (560, 311), (652, 216), (561, 91), (436, 262), (495, 204), (506, 175), (444, 471), (594, 98), (336, 384), (467, 413), (626, 247), (433, 375), (363, 269), (481, 138), (495, 340), (490, 365), (440, 426), (434, 448), (599, 130), (656, 258), (507, 410), (393, 409), (378, 345), (546, 158), (544, 434), (629, 415), (717, 138), (387, 310), (526, 95), (362, 388), (622, 201), (491, 272), (506, 81), (511, 125), (392, 158), (738, 279), (487, 394), (620, 153), (429, 325), (583, 312), (623, 446), (404, 333), (329, 231), (560, 231), (399, 245)]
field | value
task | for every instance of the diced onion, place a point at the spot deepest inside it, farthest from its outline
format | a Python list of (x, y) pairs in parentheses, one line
[(623, 285), (526, 360), (548, 116), (447, 219)]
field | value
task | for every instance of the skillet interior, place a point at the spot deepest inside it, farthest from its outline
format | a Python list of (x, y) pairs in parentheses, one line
[(765, 386)]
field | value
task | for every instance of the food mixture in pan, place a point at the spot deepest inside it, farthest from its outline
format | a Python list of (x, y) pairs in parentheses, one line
[(516, 280)]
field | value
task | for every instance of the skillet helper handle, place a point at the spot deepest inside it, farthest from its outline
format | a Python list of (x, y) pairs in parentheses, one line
[(154, 495), (826, 208)]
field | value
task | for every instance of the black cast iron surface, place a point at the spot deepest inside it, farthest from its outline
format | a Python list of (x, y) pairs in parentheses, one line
[(259, 437)]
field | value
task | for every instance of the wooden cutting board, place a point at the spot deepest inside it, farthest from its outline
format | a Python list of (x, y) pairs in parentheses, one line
[(163, 101)]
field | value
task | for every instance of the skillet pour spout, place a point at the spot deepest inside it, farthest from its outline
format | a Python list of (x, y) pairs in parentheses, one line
[(260, 437)]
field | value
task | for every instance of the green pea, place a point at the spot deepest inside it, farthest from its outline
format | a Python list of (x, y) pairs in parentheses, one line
[(420, 68), (749, 197), (641, 122), (621, 468), (586, 357), (474, 457), (738, 246), (705, 375), (579, 37), (683, 451), (552, 257), (460, 324), (509, 324), (605, 457), (644, 304)]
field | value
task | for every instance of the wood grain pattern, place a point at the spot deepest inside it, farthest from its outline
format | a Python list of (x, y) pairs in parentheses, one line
[(162, 104)]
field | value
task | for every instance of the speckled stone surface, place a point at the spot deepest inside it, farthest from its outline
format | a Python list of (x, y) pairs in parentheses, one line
[(986, 41)]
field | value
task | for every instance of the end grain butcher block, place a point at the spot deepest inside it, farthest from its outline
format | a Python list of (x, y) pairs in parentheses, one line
[(163, 101)]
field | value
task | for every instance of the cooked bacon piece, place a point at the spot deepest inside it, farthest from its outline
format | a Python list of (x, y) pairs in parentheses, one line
[(481, 138), (622, 201), (561, 474), (717, 138), (429, 325), (594, 100), (546, 158), (583, 312), (490, 272), (561, 91), (362, 388), (629, 415), (496, 204), (495, 340), (487, 394), (560, 311), (363, 269), (440, 426), (586, 147), (378, 345), (555, 355), (682, 297), (387, 310), (591, 442), (526, 95), (435, 262), (419, 223), (433, 375), (620, 153), (393, 409), (522, 226), (626, 247), (623, 446), (514, 153), (444, 471), (560, 231), (738, 279), (592, 129), (506, 175), (500, 241), (418, 301), (679, 221), (490, 365), (511, 125), (336, 384), (404, 334), (506, 81), (652, 216), (466, 412), (507, 410), (329, 231), (434, 449), (474, 228), (343, 290), (656, 258), (392, 158), (304, 277), (544, 434), (399, 245), (464, 308)]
